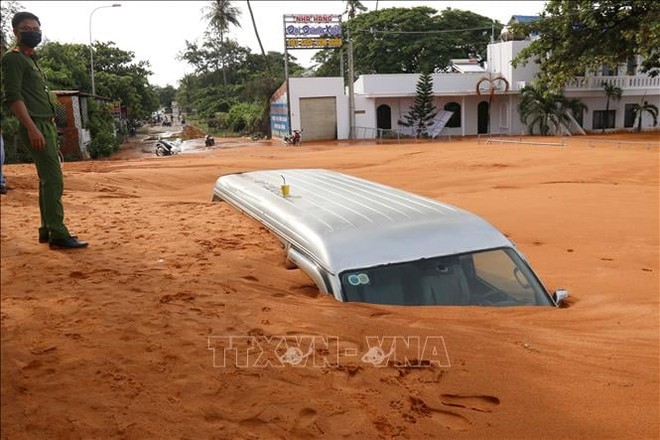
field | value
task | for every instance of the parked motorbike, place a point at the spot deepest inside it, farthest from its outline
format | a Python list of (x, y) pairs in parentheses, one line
[(293, 139), (166, 148), (209, 141)]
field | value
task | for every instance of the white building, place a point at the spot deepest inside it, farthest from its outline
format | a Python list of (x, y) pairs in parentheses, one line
[(320, 106)]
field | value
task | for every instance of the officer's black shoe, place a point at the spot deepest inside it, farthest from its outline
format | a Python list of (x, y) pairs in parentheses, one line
[(44, 238), (67, 243)]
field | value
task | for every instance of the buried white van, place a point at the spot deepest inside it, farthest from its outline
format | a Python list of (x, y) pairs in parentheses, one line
[(366, 242)]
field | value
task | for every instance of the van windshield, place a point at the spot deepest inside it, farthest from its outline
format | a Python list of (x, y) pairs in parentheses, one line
[(497, 277)]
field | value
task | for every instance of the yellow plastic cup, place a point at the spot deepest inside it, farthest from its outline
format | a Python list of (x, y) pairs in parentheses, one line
[(285, 190)]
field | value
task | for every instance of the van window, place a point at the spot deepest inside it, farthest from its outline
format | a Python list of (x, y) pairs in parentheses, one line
[(498, 271), (497, 277)]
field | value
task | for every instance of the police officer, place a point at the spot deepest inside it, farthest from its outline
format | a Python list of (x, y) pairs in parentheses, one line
[(28, 97)]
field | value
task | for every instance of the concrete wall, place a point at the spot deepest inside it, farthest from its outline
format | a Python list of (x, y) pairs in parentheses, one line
[(500, 56), (404, 84), (597, 101), (319, 88), (399, 106)]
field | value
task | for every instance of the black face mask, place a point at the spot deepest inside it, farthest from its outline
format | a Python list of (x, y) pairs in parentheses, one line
[(31, 39)]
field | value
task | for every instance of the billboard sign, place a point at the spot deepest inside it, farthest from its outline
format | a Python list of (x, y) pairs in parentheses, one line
[(279, 113), (312, 31)]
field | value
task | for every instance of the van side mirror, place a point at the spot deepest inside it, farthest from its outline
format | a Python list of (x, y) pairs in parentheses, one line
[(560, 296)]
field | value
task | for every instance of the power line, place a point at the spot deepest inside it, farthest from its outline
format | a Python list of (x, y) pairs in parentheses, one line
[(376, 31)]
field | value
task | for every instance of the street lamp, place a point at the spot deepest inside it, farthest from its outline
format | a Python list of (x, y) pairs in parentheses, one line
[(91, 49)]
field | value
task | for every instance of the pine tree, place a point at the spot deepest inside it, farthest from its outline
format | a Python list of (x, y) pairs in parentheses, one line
[(421, 115)]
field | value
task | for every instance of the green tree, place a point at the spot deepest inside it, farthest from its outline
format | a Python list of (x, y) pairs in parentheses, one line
[(579, 35), (166, 95), (612, 92), (119, 77), (547, 109), (251, 78), (7, 11), (640, 109), (420, 117), (221, 14), (65, 66), (409, 40)]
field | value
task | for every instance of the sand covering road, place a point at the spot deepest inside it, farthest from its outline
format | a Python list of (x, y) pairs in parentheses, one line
[(113, 341)]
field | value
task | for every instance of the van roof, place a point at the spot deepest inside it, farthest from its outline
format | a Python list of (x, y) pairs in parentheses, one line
[(343, 222)]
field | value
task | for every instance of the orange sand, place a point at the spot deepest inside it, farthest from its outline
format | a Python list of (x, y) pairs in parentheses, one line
[(111, 342)]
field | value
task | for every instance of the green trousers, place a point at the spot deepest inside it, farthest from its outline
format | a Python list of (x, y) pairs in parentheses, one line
[(51, 181)]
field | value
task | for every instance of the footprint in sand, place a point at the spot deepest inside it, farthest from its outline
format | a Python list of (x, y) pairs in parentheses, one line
[(449, 419), (481, 403), (306, 417)]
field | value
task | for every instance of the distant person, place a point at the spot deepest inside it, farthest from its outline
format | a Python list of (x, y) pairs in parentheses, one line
[(28, 97)]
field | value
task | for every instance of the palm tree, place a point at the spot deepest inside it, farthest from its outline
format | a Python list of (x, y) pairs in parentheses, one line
[(256, 32), (549, 110), (352, 6), (639, 109), (221, 14), (613, 92)]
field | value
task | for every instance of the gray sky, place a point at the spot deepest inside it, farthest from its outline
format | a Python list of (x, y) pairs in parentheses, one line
[(156, 30)]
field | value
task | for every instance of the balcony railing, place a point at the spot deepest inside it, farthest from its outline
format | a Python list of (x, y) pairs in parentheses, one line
[(624, 82)]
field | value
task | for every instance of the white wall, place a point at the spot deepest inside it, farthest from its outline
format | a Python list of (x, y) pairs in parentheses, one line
[(405, 84), (399, 106), (319, 88), (500, 56), (597, 101)]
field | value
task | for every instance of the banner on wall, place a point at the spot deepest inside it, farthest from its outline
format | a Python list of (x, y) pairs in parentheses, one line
[(312, 31), (279, 112)]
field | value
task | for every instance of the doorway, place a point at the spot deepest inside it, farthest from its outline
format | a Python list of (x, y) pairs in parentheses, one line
[(482, 117)]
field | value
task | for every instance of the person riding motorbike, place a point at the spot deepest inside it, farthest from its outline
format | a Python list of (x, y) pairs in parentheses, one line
[(293, 139)]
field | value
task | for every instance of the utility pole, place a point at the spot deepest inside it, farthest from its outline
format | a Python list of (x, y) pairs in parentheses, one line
[(351, 76), (286, 79), (341, 63)]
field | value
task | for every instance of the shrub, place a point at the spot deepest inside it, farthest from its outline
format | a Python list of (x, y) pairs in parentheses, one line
[(103, 144), (102, 130), (15, 152), (218, 121), (244, 118)]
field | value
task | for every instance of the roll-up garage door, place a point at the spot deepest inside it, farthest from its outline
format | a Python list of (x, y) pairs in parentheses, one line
[(318, 117)]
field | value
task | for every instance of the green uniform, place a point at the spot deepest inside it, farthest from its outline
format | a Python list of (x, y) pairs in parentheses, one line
[(23, 81)]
